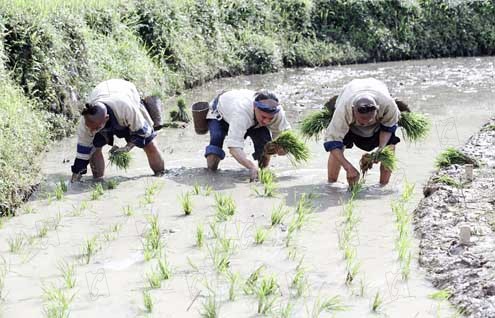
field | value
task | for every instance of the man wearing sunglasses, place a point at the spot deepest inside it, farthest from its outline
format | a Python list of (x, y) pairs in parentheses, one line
[(366, 116), (237, 114)]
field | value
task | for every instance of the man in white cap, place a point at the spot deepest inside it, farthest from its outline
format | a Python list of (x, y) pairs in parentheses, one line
[(366, 116), (237, 114), (114, 108)]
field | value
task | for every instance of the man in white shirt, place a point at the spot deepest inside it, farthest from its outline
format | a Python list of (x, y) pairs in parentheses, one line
[(114, 108), (365, 115), (237, 114)]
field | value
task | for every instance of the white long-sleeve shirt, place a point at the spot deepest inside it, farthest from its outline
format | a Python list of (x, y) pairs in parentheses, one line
[(343, 119), (236, 108)]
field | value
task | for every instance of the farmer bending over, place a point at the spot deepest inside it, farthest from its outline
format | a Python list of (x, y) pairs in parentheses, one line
[(237, 114), (114, 108), (366, 116)]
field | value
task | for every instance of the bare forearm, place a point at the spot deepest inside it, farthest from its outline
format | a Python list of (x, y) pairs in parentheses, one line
[(241, 158), (338, 154)]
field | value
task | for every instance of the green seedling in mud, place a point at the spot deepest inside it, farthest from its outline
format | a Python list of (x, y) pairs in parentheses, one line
[(278, 214), (353, 268), (250, 284), (443, 294), (150, 191), (152, 241), (377, 304), (89, 248), (16, 243), (121, 160), (447, 180), (408, 191), (296, 149), (385, 156), (292, 253), (267, 179), (219, 258), (210, 308), (406, 267), (180, 114), (56, 302), (128, 210), (415, 126), (154, 279), (186, 202), (227, 245), (225, 207), (260, 235), (200, 236), (164, 269), (112, 232), (111, 184), (97, 192), (77, 211), (68, 272), (234, 279), (266, 294), (196, 189), (452, 156), (148, 301), (331, 304), (286, 311), (208, 190), (315, 123), (43, 230), (214, 230), (28, 210), (300, 282), (60, 189)]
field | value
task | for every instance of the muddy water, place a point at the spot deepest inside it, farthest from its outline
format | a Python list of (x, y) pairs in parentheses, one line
[(457, 94)]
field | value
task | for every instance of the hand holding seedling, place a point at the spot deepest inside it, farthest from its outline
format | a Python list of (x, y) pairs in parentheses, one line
[(253, 174), (352, 176)]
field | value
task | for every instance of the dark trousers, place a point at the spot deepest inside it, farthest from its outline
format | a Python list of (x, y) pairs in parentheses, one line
[(219, 129)]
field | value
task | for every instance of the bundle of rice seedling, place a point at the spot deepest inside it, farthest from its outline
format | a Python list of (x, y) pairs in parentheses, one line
[(415, 126), (295, 148), (180, 114), (121, 160), (386, 157), (315, 123), (453, 156)]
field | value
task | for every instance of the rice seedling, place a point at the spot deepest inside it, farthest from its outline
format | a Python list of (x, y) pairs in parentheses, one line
[(210, 308), (377, 303), (56, 302), (278, 214), (28, 210), (180, 114), (227, 245), (148, 301), (164, 269), (286, 312), (408, 191), (447, 180), (266, 294), (267, 179), (200, 236), (154, 279), (121, 160), (186, 202), (196, 189), (60, 189), (300, 282), (219, 257), (111, 184), (353, 268), (331, 304), (43, 230), (250, 284), (152, 241), (150, 191), (415, 126), (443, 294), (296, 149), (225, 207), (208, 190), (315, 123), (452, 156), (128, 210), (406, 267), (77, 211), (214, 230), (260, 235), (385, 156), (292, 253), (16, 243), (97, 192), (90, 247), (68, 272), (233, 279)]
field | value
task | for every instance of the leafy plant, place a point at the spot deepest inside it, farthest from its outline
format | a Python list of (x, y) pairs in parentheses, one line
[(452, 156), (386, 157), (415, 126), (278, 214), (210, 308), (329, 305), (442, 294), (200, 236), (122, 160), (260, 235), (97, 192), (267, 179), (89, 248), (225, 207), (296, 149), (128, 210), (186, 202), (377, 302), (68, 272), (16, 243), (181, 113), (164, 269), (315, 123), (56, 302), (266, 294), (148, 301), (60, 189), (233, 279)]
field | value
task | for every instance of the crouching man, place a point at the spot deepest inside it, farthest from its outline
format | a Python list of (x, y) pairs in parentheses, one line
[(114, 109), (237, 114), (366, 116)]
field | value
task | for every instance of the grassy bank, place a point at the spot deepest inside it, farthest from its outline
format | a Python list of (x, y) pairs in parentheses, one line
[(54, 51)]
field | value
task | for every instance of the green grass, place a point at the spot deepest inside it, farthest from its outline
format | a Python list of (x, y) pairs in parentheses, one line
[(56, 302), (68, 272), (186, 202), (97, 192), (447, 180), (297, 150), (233, 279), (225, 207), (128, 210), (16, 243), (266, 294), (148, 301), (415, 126), (278, 214), (60, 189), (196, 189), (315, 123), (121, 160), (377, 303), (267, 179), (452, 156), (252, 280), (89, 249), (164, 269), (200, 236), (210, 308), (442, 294), (111, 184), (300, 282), (260, 235), (153, 244), (331, 304)]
